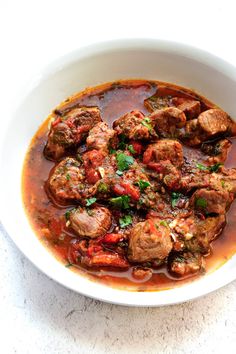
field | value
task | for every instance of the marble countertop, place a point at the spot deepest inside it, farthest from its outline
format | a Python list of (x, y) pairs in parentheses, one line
[(36, 314)]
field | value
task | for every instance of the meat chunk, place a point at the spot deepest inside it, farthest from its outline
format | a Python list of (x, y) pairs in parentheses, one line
[(217, 150), (101, 137), (69, 131), (91, 223), (165, 149), (209, 124), (67, 180), (136, 126), (167, 174), (226, 179), (167, 121), (214, 122), (170, 175), (149, 240), (191, 134), (186, 263), (157, 102), (210, 201), (206, 231), (191, 108)]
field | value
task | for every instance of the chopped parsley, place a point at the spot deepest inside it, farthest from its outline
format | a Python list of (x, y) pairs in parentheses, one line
[(79, 158), (122, 143), (175, 196), (142, 184), (68, 265), (131, 149), (215, 167), (67, 176), (124, 161), (223, 183), (201, 203), (90, 201), (164, 223), (112, 151), (146, 123), (67, 215), (121, 202), (125, 221), (201, 167), (102, 187)]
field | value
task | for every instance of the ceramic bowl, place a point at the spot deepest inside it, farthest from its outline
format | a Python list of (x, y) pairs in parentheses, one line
[(96, 64)]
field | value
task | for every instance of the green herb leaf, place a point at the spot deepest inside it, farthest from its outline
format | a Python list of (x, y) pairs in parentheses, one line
[(131, 149), (119, 173), (146, 123), (67, 215), (112, 151), (223, 183), (121, 202), (142, 184), (67, 176), (164, 223), (79, 158), (68, 265), (179, 259), (201, 167), (122, 142), (201, 203), (102, 187), (215, 167), (174, 198), (90, 201), (124, 161), (125, 221)]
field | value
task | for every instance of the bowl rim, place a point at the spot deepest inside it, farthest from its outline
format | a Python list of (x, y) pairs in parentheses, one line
[(94, 49)]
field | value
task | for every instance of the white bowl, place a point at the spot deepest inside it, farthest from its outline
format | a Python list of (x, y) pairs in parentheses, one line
[(149, 59)]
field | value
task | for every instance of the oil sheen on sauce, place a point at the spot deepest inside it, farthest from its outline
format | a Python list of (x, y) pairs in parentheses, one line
[(114, 100)]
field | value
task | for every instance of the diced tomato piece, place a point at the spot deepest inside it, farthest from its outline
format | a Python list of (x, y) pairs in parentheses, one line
[(56, 121), (93, 158), (92, 175), (93, 249), (126, 189), (138, 147), (112, 238), (107, 259), (155, 166), (152, 226), (147, 156)]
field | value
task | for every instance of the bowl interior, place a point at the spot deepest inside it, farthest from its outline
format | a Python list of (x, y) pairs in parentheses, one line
[(162, 61)]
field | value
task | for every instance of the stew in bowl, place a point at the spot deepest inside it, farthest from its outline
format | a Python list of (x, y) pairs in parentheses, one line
[(133, 184)]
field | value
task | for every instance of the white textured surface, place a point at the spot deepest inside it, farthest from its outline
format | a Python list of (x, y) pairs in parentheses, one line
[(36, 314)]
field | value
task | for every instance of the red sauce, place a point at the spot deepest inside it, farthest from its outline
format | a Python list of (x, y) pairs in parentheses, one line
[(113, 100)]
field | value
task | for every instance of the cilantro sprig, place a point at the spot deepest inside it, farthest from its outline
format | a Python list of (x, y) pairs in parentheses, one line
[(125, 221), (124, 161), (90, 201), (121, 202)]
